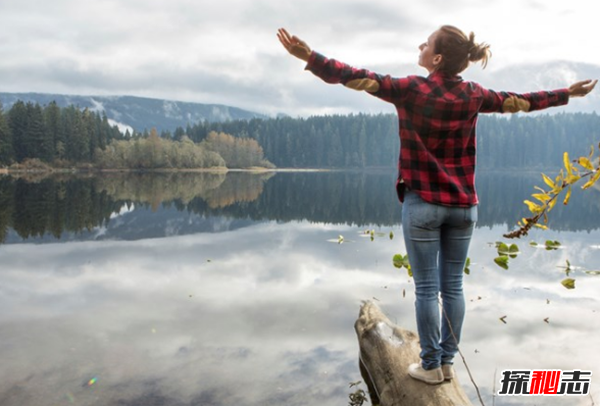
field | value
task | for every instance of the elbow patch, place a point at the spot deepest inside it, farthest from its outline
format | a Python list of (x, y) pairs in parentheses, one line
[(365, 84), (514, 104)]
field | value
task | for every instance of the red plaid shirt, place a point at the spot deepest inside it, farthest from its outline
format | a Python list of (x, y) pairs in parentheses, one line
[(437, 119)]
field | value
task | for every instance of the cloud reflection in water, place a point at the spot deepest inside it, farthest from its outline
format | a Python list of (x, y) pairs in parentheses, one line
[(264, 315)]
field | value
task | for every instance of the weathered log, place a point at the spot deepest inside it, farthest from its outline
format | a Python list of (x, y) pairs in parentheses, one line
[(386, 351)]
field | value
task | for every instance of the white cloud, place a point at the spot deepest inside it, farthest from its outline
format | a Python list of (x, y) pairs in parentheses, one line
[(226, 52)]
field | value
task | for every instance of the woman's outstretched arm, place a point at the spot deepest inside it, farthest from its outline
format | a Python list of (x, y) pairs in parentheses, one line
[(512, 102), (333, 71)]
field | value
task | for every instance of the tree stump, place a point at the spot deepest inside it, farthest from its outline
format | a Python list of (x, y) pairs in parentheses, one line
[(386, 351)]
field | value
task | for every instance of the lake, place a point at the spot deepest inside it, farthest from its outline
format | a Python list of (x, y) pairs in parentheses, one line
[(233, 289)]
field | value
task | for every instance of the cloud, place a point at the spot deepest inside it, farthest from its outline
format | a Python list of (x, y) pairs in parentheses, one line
[(227, 52)]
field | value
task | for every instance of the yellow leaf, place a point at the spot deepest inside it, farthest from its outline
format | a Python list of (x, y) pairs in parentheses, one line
[(572, 179), (548, 181), (551, 204), (543, 227), (542, 197), (592, 180), (534, 208), (567, 197), (583, 161), (567, 163)]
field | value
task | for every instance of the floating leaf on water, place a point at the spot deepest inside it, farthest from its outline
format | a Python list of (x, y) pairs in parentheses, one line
[(467, 265), (552, 245), (533, 244), (502, 261), (398, 260), (569, 283), (592, 272), (503, 319), (403, 293), (547, 320), (391, 235)]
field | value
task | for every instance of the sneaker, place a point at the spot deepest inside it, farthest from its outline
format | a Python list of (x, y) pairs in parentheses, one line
[(432, 376), (448, 372)]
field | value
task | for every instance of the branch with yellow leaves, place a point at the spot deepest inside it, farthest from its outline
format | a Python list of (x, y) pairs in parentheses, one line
[(547, 199)]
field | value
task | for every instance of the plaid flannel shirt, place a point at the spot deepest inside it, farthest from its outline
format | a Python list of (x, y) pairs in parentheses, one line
[(437, 119)]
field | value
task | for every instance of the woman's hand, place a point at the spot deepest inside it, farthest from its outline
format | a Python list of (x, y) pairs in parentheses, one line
[(582, 88), (294, 45)]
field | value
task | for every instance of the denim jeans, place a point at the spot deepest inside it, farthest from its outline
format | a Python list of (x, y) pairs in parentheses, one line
[(437, 240)]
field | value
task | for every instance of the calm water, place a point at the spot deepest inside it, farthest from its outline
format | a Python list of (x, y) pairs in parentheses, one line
[(198, 289)]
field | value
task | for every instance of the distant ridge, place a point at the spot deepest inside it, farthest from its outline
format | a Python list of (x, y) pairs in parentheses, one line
[(139, 113)]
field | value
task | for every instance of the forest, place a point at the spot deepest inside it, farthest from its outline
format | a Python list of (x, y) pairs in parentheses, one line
[(61, 204), (69, 136)]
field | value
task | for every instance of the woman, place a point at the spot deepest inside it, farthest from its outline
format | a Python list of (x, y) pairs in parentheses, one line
[(436, 181)]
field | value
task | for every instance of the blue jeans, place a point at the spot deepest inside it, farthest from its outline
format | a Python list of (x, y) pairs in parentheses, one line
[(437, 240)]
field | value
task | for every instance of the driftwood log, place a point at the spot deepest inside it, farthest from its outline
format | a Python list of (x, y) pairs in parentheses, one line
[(386, 351)]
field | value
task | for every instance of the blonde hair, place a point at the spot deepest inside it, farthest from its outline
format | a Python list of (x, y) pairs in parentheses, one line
[(458, 50)]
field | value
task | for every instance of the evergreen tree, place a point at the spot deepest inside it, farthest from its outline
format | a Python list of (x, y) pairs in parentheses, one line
[(6, 145), (38, 143), (53, 129), (17, 122)]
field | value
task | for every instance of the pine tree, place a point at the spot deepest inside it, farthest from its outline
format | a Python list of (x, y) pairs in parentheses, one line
[(17, 122), (53, 129), (6, 146)]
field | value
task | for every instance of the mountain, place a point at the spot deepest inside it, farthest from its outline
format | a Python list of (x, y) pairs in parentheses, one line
[(138, 113)]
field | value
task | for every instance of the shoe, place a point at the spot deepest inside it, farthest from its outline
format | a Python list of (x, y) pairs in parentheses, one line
[(448, 372), (432, 376)]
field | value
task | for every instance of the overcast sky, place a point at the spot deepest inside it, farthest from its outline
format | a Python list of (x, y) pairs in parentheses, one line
[(226, 51)]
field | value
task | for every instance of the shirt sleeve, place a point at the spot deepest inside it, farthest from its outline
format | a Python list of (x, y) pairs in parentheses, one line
[(390, 89), (492, 101)]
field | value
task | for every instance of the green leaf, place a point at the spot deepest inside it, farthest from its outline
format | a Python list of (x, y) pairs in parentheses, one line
[(467, 264), (408, 268), (391, 235), (401, 261), (592, 272), (533, 244), (398, 261), (552, 245), (513, 250), (502, 261), (568, 283), (502, 249)]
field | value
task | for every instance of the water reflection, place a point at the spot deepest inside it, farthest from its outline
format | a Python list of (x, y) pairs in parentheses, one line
[(261, 312), (156, 205)]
